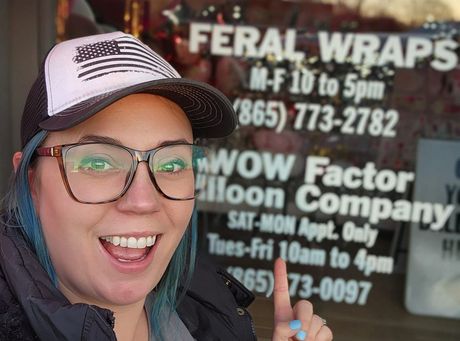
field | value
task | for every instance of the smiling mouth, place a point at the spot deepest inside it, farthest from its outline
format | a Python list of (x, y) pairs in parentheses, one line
[(128, 249)]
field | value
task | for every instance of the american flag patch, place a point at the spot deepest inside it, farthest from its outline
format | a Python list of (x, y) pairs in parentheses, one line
[(119, 55)]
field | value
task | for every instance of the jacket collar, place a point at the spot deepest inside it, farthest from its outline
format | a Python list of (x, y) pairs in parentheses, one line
[(50, 314)]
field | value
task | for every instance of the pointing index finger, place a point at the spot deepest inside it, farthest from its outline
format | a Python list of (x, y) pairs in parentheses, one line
[(282, 301)]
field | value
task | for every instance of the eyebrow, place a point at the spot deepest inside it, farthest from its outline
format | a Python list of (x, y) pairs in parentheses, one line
[(98, 138), (110, 140)]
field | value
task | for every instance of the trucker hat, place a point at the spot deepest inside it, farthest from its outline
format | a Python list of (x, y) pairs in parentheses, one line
[(80, 77)]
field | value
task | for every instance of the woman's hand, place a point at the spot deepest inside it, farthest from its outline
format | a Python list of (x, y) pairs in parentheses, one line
[(298, 322)]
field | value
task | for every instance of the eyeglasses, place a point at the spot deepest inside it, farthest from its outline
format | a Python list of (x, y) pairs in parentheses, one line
[(97, 173)]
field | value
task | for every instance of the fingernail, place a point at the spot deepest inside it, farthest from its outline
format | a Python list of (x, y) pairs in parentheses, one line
[(295, 324), (301, 335)]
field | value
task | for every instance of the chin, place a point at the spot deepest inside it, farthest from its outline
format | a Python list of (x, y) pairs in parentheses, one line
[(120, 294)]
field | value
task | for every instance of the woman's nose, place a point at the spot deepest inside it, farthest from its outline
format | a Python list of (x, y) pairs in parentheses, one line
[(142, 196)]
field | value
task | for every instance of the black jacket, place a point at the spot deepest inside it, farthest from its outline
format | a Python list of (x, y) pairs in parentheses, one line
[(31, 308)]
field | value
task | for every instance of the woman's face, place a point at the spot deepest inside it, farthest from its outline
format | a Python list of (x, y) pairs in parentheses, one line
[(88, 268)]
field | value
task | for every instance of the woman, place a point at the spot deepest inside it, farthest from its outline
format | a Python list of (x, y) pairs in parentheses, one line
[(98, 236)]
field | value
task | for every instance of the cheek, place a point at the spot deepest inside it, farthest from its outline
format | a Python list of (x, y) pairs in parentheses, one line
[(182, 214), (179, 215), (63, 220)]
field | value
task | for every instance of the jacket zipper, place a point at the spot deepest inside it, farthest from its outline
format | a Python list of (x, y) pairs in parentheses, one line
[(252, 324), (228, 282)]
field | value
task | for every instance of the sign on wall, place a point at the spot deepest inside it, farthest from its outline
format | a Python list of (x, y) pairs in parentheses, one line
[(433, 272)]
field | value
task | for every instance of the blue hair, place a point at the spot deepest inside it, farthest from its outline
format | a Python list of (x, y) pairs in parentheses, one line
[(168, 291), (20, 208), (19, 211)]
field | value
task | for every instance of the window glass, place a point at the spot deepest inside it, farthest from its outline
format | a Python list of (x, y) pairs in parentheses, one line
[(346, 162)]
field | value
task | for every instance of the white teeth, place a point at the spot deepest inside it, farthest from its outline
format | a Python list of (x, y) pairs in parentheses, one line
[(131, 242), (150, 241), (141, 243)]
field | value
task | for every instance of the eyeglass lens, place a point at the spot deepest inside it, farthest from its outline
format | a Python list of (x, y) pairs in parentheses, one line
[(101, 172)]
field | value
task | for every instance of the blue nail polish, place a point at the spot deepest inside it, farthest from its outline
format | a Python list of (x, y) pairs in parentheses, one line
[(301, 335), (295, 324)]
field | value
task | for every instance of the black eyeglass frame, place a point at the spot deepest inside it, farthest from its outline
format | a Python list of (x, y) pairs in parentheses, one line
[(138, 156)]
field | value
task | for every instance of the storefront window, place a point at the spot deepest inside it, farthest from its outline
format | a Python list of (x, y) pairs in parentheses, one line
[(347, 159)]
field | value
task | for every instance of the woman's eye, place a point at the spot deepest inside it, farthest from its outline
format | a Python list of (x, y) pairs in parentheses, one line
[(172, 166), (95, 165)]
